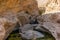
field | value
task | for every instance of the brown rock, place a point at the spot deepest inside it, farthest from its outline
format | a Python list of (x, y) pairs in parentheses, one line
[(7, 24), (10, 14), (6, 27), (19, 5)]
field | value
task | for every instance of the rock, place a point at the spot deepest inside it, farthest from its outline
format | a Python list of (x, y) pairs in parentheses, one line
[(30, 34), (42, 3), (49, 5), (51, 22), (6, 27), (40, 27), (16, 6), (23, 18), (33, 20), (10, 14), (26, 27), (27, 31), (7, 24)]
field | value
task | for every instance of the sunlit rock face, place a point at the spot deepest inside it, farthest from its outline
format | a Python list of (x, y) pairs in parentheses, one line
[(51, 22), (19, 5), (42, 3), (49, 5)]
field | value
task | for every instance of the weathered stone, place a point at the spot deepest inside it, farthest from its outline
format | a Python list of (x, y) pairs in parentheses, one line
[(23, 18), (19, 5), (6, 27), (26, 27), (10, 14), (49, 5), (30, 34), (51, 22)]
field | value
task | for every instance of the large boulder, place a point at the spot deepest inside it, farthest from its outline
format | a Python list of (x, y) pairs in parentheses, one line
[(10, 14), (31, 34), (50, 23), (28, 32), (7, 24)]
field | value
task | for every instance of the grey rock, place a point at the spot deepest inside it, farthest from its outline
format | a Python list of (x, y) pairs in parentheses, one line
[(26, 27), (51, 22), (31, 34)]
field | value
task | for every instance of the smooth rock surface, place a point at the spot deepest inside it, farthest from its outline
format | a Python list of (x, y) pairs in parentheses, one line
[(30, 34)]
